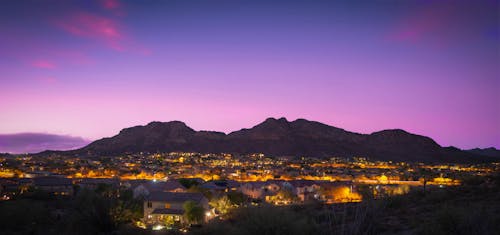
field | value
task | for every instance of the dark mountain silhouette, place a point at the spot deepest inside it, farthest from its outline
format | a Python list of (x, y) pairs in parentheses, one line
[(489, 152), (279, 137), (6, 155)]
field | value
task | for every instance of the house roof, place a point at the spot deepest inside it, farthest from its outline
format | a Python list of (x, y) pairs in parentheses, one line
[(161, 186), (52, 181), (165, 211), (277, 182), (198, 180), (328, 184), (255, 184), (302, 183), (99, 181), (175, 197), (221, 184)]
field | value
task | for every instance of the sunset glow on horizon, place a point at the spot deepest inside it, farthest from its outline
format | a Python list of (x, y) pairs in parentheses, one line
[(91, 68)]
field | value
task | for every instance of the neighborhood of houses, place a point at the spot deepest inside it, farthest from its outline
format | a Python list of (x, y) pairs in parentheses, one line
[(164, 201), (166, 188)]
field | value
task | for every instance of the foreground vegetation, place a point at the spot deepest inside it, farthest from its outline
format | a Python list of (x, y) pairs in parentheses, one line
[(100, 211)]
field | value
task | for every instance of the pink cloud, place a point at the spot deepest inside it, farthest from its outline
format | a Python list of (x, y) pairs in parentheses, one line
[(110, 4), (96, 27), (43, 64), (105, 29)]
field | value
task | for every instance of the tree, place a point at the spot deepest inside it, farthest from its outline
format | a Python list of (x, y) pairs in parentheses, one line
[(425, 176), (237, 198), (206, 192), (366, 192), (95, 213), (193, 212), (222, 204), (92, 213), (104, 190), (188, 183), (126, 209)]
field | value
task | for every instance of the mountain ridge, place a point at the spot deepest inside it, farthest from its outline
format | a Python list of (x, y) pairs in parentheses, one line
[(489, 152), (277, 137)]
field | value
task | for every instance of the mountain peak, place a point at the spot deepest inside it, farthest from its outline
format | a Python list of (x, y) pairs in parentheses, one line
[(274, 120), (301, 120), (171, 123), (391, 132)]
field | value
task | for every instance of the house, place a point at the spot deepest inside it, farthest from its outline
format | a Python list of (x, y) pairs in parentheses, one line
[(144, 188), (254, 190), (160, 207), (273, 185), (271, 190), (340, 191), (303, 189), (260, 189), (54, 185)]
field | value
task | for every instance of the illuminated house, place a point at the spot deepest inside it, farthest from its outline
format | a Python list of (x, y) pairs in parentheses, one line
[(167, 207), (253, 190), (335, 192), (261, 190), (303, 189)]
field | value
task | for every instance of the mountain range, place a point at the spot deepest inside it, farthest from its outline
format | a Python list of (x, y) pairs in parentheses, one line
[(280, 137)]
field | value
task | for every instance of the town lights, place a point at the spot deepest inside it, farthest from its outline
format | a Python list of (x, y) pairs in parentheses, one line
[(140, 224), (158, 227)]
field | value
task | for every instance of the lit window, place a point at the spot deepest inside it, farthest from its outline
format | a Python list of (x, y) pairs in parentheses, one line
[(167, 205)]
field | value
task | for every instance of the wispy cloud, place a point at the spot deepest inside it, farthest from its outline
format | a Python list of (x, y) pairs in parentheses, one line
[(93, 26), (43, 64), (105, 26)]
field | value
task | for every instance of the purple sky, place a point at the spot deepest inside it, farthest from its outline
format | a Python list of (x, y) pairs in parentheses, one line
[(89, 69)]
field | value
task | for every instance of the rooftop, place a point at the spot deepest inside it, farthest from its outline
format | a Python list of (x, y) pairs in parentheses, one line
[(175, 197)]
